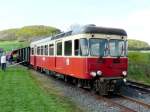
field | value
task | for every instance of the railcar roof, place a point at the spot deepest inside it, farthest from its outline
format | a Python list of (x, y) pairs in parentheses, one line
[(103, 30), (88, 29)]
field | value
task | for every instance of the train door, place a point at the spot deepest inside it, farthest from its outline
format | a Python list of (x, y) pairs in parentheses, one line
[(34, 56), (59, 59)]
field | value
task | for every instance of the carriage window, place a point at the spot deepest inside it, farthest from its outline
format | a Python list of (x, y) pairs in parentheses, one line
[(68, 48), (32, 51), (76, 47), (46, 49), (59, 48), (51, 49), (38, 50), (41, 50), (83, 47), (35, 49)]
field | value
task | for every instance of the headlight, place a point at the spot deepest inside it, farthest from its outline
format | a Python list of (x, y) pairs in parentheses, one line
[(99, 73), (93, 74), (125, 80), (124, 73)]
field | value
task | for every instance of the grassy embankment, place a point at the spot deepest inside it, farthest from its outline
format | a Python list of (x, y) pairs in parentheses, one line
[(139, 67), (21, 92)]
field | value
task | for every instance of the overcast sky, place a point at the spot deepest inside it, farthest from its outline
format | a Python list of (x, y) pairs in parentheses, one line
[(131, 15)]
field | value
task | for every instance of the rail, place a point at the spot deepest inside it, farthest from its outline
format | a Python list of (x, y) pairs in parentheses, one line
[(139, 86)]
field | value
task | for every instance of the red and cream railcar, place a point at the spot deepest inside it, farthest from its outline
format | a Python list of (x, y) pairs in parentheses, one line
[(91, 54)]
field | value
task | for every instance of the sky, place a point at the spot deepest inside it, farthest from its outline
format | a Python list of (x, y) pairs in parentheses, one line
[(131, 15)]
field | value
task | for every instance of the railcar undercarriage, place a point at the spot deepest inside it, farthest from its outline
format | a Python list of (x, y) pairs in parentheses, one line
[(101, 85)]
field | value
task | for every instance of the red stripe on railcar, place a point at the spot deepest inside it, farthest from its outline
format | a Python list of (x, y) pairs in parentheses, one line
[(81, 67)]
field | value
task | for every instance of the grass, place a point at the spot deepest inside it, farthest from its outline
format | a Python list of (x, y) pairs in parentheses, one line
[(20, 92), (10, 45), (139, 67)]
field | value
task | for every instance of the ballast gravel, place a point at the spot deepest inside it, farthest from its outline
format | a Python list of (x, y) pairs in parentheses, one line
[(90, 103), (83, 99)]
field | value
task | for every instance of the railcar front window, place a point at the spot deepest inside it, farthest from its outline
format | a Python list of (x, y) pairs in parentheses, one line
[(117, 48), (83, 47), (98, 47), (126, 48)]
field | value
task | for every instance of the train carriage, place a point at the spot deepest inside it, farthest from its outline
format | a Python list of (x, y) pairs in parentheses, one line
[(93, 56), (22, 55)]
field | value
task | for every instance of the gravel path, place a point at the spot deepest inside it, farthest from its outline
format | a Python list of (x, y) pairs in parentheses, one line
[(90, 103), (83, 99)]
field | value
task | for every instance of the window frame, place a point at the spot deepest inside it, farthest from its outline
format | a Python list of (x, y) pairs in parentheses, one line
[(59, 42), (76, 50), (42, 50), (38, 50), (51, 44), (70, 53), (87, 54), (32, 50), (46, 50), (118, 47), (106, 53)]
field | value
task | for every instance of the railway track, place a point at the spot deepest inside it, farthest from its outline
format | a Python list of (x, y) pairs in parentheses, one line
[(119, 101), (111, 102), (139, 86), (136, 101)]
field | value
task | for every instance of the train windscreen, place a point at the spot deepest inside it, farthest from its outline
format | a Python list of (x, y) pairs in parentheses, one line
[(98, 47), (117, 48), (104, 47)]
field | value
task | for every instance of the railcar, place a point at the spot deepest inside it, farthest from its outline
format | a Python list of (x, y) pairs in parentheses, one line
[(91, 56)]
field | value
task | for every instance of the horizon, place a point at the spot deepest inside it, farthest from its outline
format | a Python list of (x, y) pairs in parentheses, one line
[(131, 15)]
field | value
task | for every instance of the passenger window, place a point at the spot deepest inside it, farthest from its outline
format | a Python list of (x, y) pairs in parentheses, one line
[(41, 50), (76, 47), (68, 48), (51, 49), (38, 50), (46, 49), (32, 51), (59, 48), (35, 50), (83, 47)]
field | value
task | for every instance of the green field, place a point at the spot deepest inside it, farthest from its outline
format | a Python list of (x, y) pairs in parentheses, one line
[(11, 45), (21, 92), (139, 67)]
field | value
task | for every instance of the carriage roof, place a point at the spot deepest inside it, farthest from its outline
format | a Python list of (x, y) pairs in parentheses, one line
[(89, 29)]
